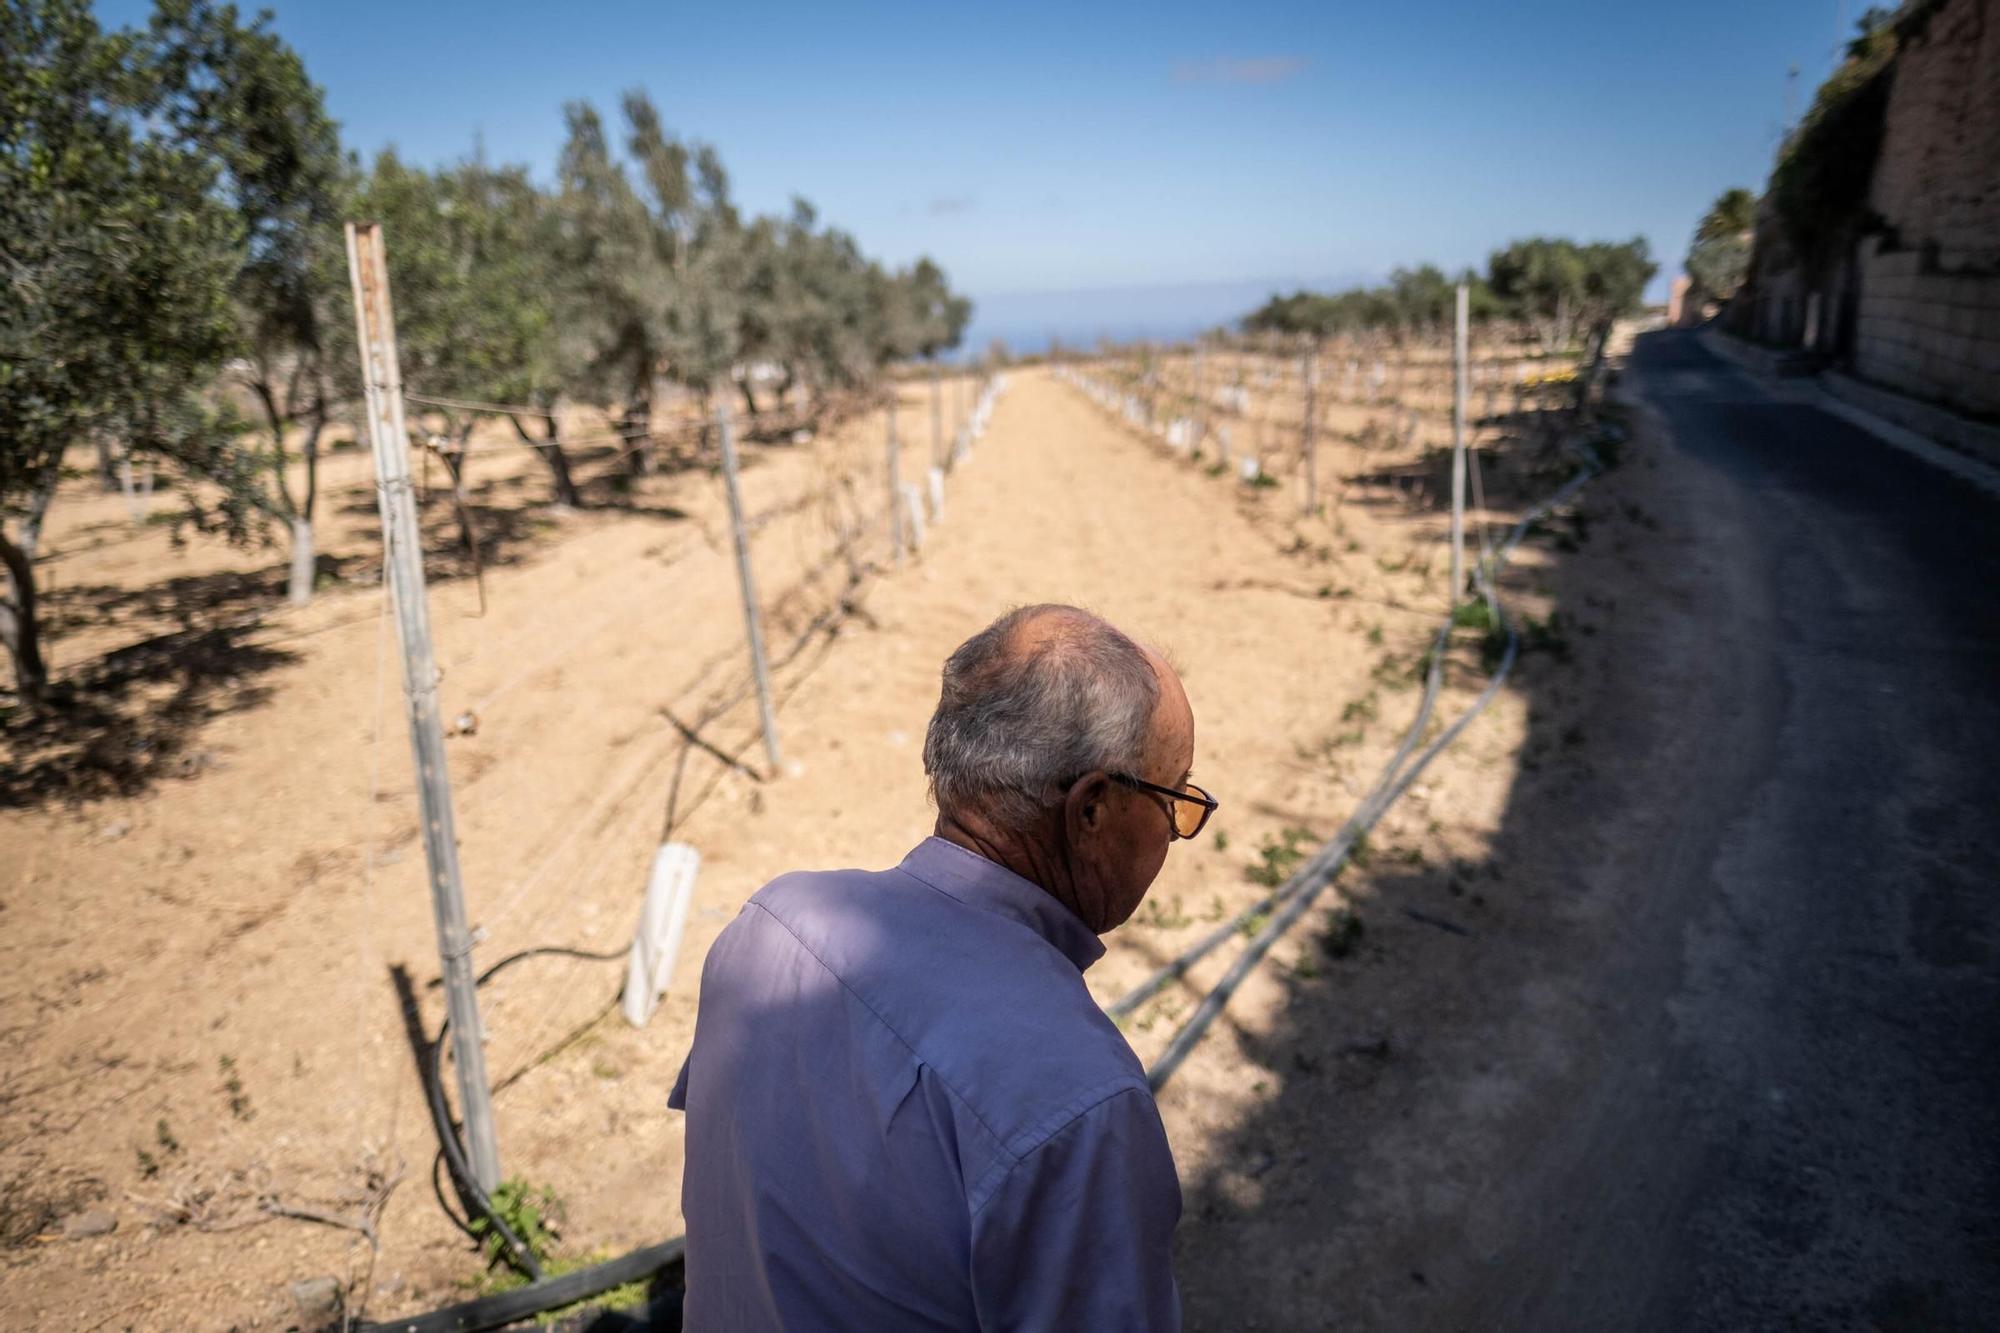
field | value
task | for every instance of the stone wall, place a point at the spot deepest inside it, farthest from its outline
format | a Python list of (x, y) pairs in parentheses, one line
[(1928, 331), (1928, 314), (1937, 180)]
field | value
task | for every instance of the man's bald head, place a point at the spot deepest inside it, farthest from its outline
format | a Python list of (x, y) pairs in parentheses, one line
[(1035, 700)]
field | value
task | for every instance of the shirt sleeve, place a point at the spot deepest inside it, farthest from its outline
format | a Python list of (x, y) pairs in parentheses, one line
[(1080, 1233)]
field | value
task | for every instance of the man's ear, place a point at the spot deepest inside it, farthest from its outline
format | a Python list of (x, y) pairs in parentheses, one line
[(1085, 808)]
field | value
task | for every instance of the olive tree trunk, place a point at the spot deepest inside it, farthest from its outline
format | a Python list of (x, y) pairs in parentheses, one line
[(550, 450), (18, 627)]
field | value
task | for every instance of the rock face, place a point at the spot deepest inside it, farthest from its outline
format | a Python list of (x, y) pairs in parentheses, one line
[(82, 1226), (318, 1300)]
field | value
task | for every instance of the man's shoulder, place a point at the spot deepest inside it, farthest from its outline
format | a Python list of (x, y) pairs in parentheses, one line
[(995, 1012)]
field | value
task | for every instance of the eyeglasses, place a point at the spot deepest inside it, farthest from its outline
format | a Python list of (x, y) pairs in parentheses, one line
[(1188, 806)]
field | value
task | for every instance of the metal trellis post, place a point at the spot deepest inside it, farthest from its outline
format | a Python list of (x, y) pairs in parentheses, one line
[(1458, 363), (402, 563), (1311, 427), (937, 414), (895, 481), (747, 584)]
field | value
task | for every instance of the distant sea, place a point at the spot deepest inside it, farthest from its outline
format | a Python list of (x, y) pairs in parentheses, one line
[(1026, 322)]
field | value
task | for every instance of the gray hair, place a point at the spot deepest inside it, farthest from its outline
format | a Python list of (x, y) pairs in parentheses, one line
[(1015, 723)]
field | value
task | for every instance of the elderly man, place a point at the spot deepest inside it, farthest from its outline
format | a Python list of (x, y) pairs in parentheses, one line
[(904, 1111)]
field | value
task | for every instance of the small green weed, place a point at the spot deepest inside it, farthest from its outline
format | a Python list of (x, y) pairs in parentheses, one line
[(1549, 636), (1160, 917), (1277, 857), (1342, 935), (1475, 614), (239, 1100), (532, 1212), (169, 1146)]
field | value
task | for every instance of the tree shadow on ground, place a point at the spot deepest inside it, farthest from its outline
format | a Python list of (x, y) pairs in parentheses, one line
[(1271, 1221), (120, 723), (187, 600)]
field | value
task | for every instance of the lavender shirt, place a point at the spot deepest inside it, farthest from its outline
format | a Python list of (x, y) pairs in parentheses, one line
[(904, 1111)]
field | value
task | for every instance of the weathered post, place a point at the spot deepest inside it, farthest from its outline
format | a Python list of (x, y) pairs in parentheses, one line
[(896, 542), (1312, 425), (402, 563), (746, 584), (1459, 370), (937, 414)]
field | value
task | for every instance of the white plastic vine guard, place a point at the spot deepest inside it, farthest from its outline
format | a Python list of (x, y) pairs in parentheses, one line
[(649, 969)]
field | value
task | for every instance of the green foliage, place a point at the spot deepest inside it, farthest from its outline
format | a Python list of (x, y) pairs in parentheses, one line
[(1819, 188), (1473, 614), (170, 210), (532, 1212), (535, 1215), (1565, 288), (666, 280), (1414, 301), (1278, 855), (1343, 933), (119, 254), (1733, 213), (232, 1087), (1718, 258), (472, 265), (166, 198)]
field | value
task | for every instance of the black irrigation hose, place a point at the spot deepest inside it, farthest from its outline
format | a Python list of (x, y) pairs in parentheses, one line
[(1315, 865), (453, 1152), (475, 1198), (1298, 894), (525, 1302)]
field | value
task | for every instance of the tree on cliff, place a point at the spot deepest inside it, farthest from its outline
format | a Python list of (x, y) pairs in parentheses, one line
[(1718, 259)]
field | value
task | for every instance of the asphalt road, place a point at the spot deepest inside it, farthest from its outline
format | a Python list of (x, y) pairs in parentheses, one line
[(1723, 1049), (1828, 1125)]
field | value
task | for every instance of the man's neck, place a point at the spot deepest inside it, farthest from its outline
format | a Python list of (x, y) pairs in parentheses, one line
[(1039, 860)]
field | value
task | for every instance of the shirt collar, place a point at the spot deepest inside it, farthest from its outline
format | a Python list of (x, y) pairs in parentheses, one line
[(970, 878)]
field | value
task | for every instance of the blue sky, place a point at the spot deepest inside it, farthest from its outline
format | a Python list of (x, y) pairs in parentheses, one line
[(1202, 154)]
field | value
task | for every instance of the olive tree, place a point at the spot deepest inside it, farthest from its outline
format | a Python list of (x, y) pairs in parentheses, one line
[(238, 97), (117, 259)]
